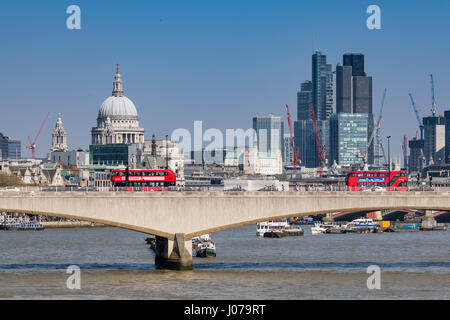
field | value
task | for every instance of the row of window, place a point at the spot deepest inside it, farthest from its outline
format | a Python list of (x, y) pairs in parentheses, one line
[(376, 174), (402, 184), (145, 184), (141, 174)]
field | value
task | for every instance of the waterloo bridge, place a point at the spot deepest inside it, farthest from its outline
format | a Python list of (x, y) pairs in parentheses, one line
[(176, 217)]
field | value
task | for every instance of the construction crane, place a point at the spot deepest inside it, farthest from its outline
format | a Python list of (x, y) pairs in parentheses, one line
[(32, 145), (295, 150), (320, 150), (433, 101), (416, 111)]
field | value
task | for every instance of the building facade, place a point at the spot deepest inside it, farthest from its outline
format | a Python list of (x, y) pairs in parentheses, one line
[(74, 158), (353, 87), (288, 151), (9, 149), (349, 134), (270, 133), (434, 139), (415, 163), (447, 136), (305, 140), (304, 97), (322, 77)]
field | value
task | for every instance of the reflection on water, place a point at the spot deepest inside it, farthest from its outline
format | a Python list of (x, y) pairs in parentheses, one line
[(117, 264)]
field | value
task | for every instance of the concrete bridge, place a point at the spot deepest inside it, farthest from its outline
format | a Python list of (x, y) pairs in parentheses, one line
[(176, 217)]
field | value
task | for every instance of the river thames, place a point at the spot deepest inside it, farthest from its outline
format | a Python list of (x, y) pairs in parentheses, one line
[(118, 264)]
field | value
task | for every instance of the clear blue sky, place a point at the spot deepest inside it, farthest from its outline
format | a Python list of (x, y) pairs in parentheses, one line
[(222, 62)]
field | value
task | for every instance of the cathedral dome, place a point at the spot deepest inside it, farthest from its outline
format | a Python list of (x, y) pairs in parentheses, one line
[(118, 107)]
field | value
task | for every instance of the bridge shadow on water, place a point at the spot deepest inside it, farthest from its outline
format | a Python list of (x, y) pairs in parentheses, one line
[(233, 266)]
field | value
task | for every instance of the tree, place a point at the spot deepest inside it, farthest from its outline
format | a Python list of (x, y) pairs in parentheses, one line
[(8, 180)]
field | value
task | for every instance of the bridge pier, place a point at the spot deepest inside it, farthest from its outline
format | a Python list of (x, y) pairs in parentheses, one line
[(174, 254), (328, 217), (428, 221)]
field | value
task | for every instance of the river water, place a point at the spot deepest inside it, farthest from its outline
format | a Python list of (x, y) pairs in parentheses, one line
[(117, 264)]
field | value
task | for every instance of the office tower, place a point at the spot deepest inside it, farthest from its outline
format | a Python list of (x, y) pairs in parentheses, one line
[(349, 134), (321, 78), (270, 133), (288, 152), (9, 149), (353, 96), (362, 94), (434, 139), (305, 140), (344, 89), (356, 61), (415, 155), (354, 87), (447, 136), (304, 97)]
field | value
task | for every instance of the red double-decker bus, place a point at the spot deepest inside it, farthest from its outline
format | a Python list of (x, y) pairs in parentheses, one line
[(143, 180), (377, 181)]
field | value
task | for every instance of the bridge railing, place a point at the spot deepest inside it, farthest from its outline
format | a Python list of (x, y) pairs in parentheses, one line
[(205, 189)]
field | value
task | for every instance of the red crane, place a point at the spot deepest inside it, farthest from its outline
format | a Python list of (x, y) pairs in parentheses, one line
[(320, 150), (295, 150), (32, 145)]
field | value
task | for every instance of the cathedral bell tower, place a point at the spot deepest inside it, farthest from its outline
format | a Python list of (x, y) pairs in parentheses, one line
[(59, 141)]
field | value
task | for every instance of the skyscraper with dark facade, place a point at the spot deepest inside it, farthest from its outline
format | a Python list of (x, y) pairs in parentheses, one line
[(353, 96), (344, 89), (304, 97), (354, 87), (305, 140), (321, 77), (9, 149), (356, 61), (434, 139), (447, 136)]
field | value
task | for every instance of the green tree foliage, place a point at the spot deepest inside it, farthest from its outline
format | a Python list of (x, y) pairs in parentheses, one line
[(8, 180)]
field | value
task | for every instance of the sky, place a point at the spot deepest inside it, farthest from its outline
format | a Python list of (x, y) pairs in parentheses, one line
[(221, 62)]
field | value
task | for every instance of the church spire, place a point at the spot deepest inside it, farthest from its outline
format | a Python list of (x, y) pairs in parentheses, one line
[(59, 137), (117, 84)]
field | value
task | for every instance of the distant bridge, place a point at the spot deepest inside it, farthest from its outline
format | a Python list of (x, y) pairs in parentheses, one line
[(176, 217)]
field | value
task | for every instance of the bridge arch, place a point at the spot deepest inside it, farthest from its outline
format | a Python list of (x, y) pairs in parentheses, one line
[(302, 214)]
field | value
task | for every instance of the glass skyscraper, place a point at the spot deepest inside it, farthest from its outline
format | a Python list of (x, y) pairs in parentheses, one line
[(322, 77), (349, 133), (447, 136), (305, 140), (270, 133), (9, 149)]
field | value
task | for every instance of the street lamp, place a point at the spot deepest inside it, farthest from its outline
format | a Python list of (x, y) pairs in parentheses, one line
[(167, 152), (389, 161)]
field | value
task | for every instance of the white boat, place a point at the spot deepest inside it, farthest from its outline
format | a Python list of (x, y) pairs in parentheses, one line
[(268, 226), (203, 247), (206, 250), (363, 222), (326, 227), (319, 228)]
